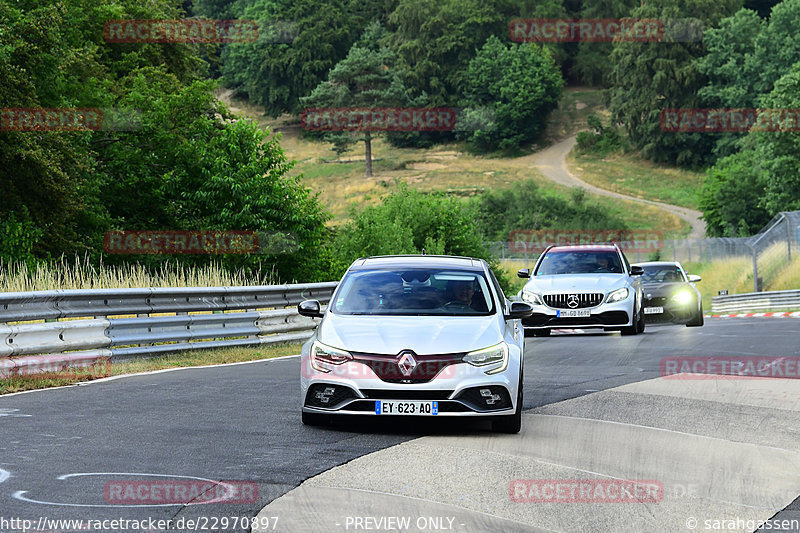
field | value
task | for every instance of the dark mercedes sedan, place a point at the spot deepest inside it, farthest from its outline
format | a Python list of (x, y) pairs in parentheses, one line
[(670, 295)]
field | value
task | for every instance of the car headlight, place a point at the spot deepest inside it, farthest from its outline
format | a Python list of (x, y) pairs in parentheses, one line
[(493, 355), (683, 297), (617, 295), (322, 353), (532, 297)]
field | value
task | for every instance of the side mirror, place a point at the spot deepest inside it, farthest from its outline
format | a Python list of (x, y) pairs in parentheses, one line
[(524, 273), (310, 308), (636, 271), (693, 278), (519, 310)]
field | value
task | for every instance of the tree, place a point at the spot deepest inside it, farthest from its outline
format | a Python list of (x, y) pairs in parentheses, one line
[(366, 78), (186, 164), (649, 77), (52, 55), (780, 151), (591, 65), (435, 40), (519, 85), (731, 72), (743, 191), (730, 196), (192, 166), (277, 74)]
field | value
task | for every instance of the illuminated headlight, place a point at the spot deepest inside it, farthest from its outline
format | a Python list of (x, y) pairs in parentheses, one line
[(617, 295), (532, 297), (682, 297), (322, 354), (494, 355)]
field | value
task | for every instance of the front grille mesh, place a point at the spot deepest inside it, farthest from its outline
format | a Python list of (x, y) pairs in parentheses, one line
[(561, 300)]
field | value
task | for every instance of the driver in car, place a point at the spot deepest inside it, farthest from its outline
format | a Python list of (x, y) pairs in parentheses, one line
[(462, 292)]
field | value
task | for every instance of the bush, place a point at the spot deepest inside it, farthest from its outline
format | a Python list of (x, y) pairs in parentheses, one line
[(408, 221), (526, 207), (602, 140), (510, 90)]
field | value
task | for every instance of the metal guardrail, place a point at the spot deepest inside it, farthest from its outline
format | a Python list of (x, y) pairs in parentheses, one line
[(752, 301), (256, 315)]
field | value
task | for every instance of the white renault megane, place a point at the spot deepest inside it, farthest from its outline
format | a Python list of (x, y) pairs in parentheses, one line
[(416, 336)]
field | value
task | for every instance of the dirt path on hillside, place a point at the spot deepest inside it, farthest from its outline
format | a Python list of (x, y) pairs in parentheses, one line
[(552, 163)]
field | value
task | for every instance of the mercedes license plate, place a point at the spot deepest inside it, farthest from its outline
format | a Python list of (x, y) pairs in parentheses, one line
[(572, 313)]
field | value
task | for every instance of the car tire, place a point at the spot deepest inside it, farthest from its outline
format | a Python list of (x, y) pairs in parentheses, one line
[(314, 419), (637, 327), (696, 321), (511, 423), (541, 333)]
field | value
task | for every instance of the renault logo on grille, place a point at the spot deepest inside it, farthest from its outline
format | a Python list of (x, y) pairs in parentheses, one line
[(572, 301), (406, 363)]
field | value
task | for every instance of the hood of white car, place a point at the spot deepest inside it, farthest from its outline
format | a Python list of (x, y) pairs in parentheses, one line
[(425, 335), (577, 283)]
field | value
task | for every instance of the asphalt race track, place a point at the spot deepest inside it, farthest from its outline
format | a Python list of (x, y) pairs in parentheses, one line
[(717, 449)]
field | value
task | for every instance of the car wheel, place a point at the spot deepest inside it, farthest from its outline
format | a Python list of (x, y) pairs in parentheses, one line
[(314, 419), (637, 327), (511, 423), (696, 321), (541, 333)]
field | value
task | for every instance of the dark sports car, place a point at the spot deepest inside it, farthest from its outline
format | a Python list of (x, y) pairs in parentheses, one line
[(670, 295)]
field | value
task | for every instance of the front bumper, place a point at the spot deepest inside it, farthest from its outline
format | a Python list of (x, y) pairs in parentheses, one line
[(674, 313), (456, 389), (605, 315)]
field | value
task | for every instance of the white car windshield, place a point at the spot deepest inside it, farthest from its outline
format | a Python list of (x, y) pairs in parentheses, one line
[(579, 262), (414, 292)]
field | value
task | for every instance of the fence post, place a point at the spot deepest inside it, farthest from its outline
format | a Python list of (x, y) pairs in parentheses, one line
[(788, 238), (755, 269)]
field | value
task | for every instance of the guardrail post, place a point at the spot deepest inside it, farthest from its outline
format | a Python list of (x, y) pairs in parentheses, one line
[(788, 238)]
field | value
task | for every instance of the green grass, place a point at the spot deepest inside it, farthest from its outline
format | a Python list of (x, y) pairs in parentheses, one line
[(736, 274), (81, 274), (631, 175), (179, 360)]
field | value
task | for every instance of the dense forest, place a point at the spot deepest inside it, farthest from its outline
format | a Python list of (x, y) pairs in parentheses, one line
[(185, 162)]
